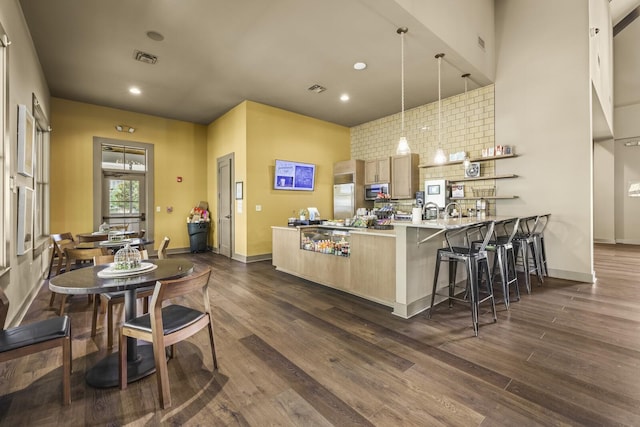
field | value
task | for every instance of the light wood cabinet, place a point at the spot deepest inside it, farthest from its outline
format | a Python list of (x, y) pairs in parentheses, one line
[(361, 273), (377, 171), (405, 176)]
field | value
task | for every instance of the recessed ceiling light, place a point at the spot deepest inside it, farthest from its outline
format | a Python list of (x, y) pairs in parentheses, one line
[(359, 66), (135, 90), (344, 97), (154, 35)]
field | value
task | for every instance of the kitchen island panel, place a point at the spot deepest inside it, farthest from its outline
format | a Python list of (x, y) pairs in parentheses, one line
[(373, 270)]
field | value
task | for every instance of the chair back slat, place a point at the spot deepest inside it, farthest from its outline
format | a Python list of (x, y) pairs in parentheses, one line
[(162, 249), (75, 255), (4, 308), (168, 289), (102, 259)]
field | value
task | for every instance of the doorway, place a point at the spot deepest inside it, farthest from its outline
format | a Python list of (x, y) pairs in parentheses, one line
[(123, 176), (123, 201), (225, 175)]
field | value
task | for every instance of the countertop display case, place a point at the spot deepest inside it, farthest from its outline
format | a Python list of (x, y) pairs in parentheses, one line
[(326, 241)]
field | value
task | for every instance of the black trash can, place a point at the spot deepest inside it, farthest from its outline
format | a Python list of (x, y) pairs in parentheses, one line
[(198, 232)]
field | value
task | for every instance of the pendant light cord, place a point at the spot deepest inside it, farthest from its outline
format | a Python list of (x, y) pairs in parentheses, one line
[(439, 57), (402, 31)]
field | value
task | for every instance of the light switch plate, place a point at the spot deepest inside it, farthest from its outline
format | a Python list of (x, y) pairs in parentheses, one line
[(258, 208)]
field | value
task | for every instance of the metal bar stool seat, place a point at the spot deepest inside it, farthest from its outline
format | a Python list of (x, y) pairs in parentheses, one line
[(476, 263)]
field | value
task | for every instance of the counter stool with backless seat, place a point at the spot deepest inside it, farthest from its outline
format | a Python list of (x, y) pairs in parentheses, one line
[(476, 262)]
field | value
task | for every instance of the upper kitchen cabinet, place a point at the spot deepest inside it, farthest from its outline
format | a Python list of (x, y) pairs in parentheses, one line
[(377, 171), (405, 176)]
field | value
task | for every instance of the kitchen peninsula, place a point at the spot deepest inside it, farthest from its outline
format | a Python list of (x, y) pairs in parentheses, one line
[(391, 267)]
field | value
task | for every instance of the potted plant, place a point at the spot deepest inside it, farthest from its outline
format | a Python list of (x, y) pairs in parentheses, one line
[(303, 214)]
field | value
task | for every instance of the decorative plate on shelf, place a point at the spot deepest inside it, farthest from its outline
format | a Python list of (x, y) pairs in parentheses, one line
[(473, 170)]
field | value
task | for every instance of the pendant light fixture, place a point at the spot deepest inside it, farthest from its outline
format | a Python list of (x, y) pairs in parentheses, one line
[(440, 157), (466, 76), (403, 145)]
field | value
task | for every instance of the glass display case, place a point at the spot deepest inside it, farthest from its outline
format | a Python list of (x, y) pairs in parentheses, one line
[(326, 241)]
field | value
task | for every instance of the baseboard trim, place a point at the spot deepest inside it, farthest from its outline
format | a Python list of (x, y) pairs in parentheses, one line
[(605, 241), (628, 241), (572, 275), (253, 258)]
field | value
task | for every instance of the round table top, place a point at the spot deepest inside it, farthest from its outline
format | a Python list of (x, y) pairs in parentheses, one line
[(114, 244), (86, 280)]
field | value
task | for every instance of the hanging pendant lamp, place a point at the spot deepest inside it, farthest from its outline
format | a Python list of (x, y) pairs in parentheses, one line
[(403, 146), (440, 157), (466, 76)]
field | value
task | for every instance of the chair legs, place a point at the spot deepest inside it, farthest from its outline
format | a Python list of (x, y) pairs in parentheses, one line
[(67, 358), (475, 269), (504, 260)]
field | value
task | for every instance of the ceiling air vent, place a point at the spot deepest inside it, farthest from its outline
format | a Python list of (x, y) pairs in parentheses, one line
[(317, 88), (144, 57)]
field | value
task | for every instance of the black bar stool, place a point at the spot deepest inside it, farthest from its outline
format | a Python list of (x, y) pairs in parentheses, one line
[(527, 256), (505, 258), (476, 263)]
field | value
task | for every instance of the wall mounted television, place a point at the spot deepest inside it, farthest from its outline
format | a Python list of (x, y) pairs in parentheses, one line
[(294, 176)]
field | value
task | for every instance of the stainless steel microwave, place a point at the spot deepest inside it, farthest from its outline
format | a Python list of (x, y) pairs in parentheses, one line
[(371, 191)]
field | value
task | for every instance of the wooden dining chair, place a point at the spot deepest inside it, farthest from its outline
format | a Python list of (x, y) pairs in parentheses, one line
[(57, 254), (162, 249), (109, 300), (78, 258), (165, 326), (60, 243), (23, 340)]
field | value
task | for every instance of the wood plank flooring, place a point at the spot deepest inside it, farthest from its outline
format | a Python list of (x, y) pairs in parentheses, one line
[(293, 353)]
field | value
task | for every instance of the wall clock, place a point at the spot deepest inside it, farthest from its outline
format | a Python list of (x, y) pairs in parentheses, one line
[(473, 170)]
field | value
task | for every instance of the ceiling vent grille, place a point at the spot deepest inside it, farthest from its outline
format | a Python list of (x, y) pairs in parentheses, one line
[(145, 57), (317, 88)]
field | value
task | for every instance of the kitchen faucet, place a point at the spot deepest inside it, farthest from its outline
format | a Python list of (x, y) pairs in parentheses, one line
[(427, 207), (456, 205)]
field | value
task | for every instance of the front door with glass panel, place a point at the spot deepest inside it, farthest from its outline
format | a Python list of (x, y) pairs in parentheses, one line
[(123, 187)]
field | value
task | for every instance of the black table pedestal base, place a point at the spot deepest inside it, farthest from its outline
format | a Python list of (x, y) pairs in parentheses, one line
[(105, 373)]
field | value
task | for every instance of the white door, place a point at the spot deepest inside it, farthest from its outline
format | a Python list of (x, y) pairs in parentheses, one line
[(123, 200)]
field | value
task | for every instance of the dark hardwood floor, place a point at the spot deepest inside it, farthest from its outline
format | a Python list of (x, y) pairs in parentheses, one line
[(293, 353)]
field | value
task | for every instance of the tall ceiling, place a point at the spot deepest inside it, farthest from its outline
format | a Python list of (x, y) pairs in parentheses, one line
[(217, 53)]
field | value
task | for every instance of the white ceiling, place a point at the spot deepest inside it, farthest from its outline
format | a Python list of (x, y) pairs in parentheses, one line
[(217, 53)]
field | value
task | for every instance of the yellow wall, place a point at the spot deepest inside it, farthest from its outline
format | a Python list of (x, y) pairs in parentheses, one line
[(278, 134), (259, 134), (180, 150), (227, 135)]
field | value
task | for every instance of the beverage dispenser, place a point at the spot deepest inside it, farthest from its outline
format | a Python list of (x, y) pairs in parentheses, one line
[(437, 191)]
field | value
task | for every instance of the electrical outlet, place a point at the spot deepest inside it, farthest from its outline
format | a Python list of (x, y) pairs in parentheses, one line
[(258, 208), (158, 209)]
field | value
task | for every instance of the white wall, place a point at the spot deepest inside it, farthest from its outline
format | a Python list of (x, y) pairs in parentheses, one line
[(542, 107), (627, 167), (25, 78), (472, 19), (603, 196)]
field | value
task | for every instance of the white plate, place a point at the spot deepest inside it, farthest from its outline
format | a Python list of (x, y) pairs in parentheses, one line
[(112, 272)]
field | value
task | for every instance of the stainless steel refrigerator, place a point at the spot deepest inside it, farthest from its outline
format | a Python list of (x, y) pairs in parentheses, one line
[(344, 201)]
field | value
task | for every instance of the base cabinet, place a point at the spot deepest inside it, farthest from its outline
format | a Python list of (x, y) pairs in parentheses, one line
[(360, 272)]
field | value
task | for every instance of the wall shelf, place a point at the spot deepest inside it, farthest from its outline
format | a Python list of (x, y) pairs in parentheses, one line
[(485, 197), (459, 162), (482, 178)]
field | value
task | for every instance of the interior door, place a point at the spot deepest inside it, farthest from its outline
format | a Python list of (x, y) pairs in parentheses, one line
[(225, 206), (123, 200)]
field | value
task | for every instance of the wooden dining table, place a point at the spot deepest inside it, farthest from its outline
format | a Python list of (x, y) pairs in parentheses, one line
[(140, 361)]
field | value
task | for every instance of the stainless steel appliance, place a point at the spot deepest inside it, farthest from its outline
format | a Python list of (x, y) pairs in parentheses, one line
[(436, 191), (344, 201), (371, 191)]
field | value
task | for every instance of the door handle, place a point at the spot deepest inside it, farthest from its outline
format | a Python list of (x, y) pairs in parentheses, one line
[(227, 216), (143, 216)]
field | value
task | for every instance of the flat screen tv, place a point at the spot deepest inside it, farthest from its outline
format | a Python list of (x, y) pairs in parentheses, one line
[(294, 176)]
